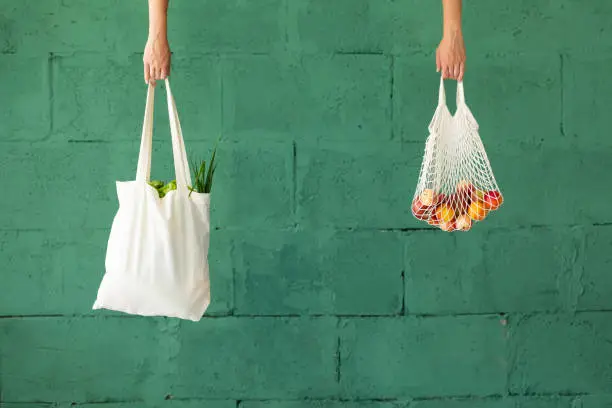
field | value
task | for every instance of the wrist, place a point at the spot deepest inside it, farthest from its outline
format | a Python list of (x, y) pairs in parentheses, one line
[(158, 28), (452, 30), (158, 34)]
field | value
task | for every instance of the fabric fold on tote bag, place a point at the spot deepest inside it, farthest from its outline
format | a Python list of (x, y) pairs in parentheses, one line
[(157, 254)]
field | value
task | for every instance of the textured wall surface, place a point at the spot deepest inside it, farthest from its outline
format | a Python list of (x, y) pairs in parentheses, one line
[(327, 293)]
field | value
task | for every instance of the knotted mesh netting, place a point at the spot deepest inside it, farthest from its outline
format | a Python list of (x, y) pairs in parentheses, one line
[(456, 184)]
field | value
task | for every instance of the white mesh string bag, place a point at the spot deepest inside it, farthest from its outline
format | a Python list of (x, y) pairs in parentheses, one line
[(456, 184)]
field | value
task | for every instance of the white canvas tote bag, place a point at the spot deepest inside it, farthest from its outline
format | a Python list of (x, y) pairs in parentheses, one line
[(157, 254)]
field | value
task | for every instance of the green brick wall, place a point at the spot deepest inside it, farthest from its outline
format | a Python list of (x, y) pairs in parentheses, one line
[(326, 292)]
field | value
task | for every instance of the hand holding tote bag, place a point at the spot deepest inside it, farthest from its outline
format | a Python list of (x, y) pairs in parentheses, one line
[(157, 255), (456, 184)]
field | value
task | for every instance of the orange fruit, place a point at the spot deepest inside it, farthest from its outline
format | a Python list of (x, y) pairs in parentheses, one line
[(445, 213), (477, 210)]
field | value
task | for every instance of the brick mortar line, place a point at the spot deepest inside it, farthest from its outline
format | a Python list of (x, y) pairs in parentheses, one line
[(239, 402), (51, 90), (312, 144), (424, 52), (325, 316), (294, 182), (338, 355), (234, 300), (562, 94), (315, 229), (221, 66), (392, 98), (428, 398), (403, 309), (510, 353)]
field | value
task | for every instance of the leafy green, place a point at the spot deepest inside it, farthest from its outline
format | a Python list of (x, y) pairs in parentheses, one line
[(163, 188), (203, 179), (198, 174), (168, 187), (157, 184)]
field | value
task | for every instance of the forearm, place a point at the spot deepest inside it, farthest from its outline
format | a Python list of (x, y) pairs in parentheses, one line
[(158, 12), (450, 55), (452, 17)]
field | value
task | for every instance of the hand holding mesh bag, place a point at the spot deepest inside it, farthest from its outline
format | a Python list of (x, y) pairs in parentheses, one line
[(456, 184)]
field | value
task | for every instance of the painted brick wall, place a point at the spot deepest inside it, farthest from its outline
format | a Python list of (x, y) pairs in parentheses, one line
[(326, 292)]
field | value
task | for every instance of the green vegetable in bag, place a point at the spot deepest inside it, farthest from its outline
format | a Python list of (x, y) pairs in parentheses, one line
[(157, 184), (163, 188), (167, 188), (203, 179)]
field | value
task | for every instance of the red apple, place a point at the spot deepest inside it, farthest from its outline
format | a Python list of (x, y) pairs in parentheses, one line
[(463, 222), (423, 204), (460, 202), (448, 226), (439, 201), (477, 195), (465, 187), (433, 218), (493, 199), (419, 210), (427, 197), (465, 191), (441, 198)]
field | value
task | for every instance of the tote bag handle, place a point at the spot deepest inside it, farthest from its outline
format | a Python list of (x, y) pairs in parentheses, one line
[(179, 154)]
